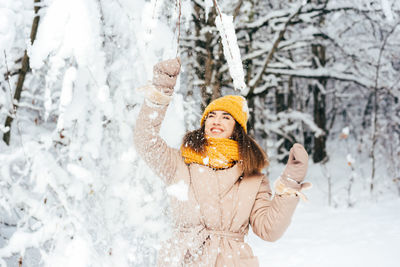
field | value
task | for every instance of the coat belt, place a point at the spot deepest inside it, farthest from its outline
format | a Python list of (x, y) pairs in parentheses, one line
[(226, 234)]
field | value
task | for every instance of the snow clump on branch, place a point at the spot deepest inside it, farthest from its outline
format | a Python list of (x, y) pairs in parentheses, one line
[(231, 50)]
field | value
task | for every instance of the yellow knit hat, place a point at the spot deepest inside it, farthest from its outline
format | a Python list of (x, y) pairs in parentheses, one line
[(233, 104)]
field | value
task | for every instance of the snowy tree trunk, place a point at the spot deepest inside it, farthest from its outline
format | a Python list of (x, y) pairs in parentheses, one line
[(319, 153), (397, 183), (282, 105), (21, 78), (205, 54), (252, 119)]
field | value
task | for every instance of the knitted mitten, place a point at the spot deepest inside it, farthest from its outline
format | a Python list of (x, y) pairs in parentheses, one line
[(165, 74), (290, 181)]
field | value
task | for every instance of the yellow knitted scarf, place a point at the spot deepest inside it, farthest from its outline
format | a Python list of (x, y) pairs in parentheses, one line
[(220, 153)]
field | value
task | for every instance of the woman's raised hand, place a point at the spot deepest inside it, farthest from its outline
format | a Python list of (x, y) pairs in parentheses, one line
[(164, 79), (165, 74), (296, 168)]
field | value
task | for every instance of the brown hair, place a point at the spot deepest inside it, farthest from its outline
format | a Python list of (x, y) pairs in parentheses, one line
[(252, 156)]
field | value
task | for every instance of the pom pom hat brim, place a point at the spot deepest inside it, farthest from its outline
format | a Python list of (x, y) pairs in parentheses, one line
[(233, 104)]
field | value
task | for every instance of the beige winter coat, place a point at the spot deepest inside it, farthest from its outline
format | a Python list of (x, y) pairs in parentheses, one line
[(211, 224)]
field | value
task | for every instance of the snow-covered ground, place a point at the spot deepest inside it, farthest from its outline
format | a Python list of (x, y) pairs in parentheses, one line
[(322, 237)]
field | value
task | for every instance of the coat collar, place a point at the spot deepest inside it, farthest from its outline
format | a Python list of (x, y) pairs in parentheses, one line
[(225, 178)]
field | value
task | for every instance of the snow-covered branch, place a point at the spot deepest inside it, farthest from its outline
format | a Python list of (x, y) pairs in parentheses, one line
[(278, 37), (323, 73)]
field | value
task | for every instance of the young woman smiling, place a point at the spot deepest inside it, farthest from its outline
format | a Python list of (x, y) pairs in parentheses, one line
[(221, 166)]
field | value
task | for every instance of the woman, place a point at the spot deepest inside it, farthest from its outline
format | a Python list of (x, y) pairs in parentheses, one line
[(221, 166)]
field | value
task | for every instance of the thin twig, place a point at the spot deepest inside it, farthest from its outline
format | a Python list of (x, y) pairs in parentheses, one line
[(178, 25), (13, 110)]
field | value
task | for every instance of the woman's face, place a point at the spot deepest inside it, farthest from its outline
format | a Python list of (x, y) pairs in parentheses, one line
[(219, 124)]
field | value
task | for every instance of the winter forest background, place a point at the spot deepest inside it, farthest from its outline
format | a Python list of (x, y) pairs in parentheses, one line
[(324, 73)]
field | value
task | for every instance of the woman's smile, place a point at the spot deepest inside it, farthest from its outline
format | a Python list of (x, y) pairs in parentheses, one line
[(216, 130)]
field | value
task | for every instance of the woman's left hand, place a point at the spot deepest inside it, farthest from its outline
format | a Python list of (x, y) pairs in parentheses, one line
[(296, 167)]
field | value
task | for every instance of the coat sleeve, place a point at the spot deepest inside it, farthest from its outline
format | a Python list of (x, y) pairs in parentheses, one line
[(270, 217), (161, 158)]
